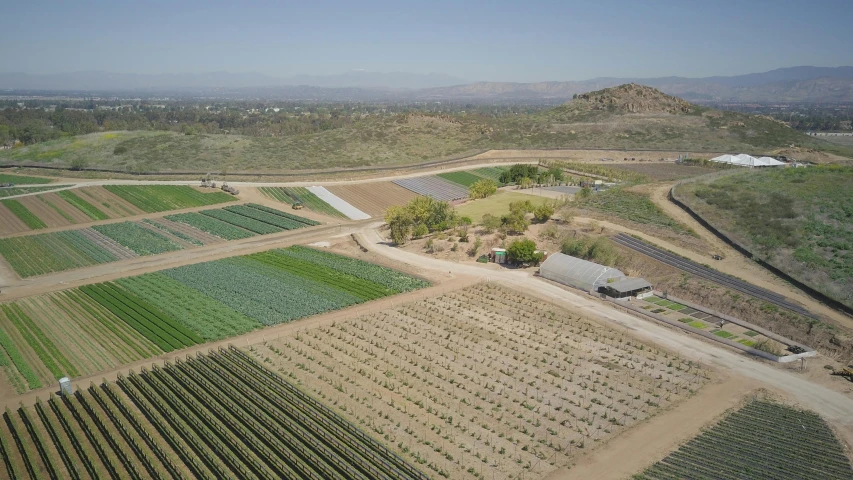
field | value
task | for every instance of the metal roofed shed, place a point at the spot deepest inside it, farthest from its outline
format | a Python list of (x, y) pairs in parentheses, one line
[(577, 272), (628, 287)]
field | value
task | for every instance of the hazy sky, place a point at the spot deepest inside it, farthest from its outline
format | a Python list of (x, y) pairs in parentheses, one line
[(490, 40)]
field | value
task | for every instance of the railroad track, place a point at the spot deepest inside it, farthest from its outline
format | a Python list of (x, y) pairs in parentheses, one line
[(702, 271)]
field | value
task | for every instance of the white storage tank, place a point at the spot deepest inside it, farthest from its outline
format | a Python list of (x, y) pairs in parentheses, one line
[(65, 386)]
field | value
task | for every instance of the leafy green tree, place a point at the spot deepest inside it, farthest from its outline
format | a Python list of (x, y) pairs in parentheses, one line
[(399, 220), (79, 163), (514, 223), (518, 171), (490, 222), (522, 207), (585, 192), (525, 182), (482, 188), (524, 251), (420, 230), (543, 212)]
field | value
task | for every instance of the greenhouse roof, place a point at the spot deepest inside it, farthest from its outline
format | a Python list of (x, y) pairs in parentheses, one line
[(576, 271)]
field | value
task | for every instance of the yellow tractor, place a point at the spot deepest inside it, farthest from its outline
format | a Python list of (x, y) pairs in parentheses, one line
[(846, 372), (297, 205)]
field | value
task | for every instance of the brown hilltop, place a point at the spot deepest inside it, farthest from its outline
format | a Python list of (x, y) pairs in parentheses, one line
[(632, 98)]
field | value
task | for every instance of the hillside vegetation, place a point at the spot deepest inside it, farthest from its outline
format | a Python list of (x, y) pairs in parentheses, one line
[(800, 220), (625, 117)]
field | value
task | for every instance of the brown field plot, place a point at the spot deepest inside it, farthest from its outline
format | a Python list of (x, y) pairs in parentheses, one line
[(373, 198), (10, 223), (483, 382), (663, 172)]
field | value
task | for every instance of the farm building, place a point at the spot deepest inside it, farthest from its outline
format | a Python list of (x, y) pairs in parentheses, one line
[(578, 273), (628, 287), (744, 160)]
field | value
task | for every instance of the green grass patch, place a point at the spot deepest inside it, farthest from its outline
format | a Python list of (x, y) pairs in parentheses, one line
[(697, 324), (23, 214), (724, 334), (23, 180), (750, 333), (685, 320), (746, 342), (497, 204)]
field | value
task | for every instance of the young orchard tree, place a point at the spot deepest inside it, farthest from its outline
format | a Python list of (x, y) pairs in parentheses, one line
[(524, 251)]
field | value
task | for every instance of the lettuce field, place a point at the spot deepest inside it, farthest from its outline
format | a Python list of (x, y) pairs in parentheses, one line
[(109, 324)]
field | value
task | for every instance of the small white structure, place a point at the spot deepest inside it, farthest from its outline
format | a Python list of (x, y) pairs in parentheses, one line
[(744, 160), (577, 272), (65, 386)]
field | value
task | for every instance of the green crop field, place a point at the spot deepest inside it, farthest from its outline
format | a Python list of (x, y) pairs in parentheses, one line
[(220, 415), (631, 206), (22, 213), (108, 324), (492, 173), (52, 252), (309, 200), (23, 180), (8, 192), (798, 219), (84, 206), (763, 440), (140, 240), (466, 179), (161, 198)]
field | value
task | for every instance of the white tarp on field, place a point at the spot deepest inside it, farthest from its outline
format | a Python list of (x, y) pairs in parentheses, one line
[(744, 160), (338, 203)]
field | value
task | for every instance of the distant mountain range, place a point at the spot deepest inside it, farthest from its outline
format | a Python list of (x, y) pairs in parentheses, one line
[(795, 84)]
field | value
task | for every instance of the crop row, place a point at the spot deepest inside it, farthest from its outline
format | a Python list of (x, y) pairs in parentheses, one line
[(23, 214), (211, 225), (277, 220), (105, 325), (291, 195), (137, 238), (761, 440), (84, 206), (397, 281), (183, 236), (241, 221), (148, 320), (161, 198)]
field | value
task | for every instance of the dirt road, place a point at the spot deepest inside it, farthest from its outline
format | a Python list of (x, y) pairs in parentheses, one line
[(734, 263)]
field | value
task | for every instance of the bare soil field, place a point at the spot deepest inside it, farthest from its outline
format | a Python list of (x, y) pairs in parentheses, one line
[(484, 381), (44, 212), (110, 203), (664, 171), (75, 214), (10, 223), (373, 198)]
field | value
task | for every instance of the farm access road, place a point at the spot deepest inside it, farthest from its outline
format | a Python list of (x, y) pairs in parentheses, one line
[(830, 404), (736, 264)]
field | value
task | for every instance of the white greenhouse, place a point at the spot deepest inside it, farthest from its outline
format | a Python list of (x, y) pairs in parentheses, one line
[(576, 272), (744, 160)]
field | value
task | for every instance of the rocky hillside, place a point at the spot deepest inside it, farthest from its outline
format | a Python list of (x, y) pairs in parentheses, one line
[(632, 98)]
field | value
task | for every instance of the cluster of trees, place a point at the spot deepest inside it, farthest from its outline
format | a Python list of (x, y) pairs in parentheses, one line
[(421, 216), (517, 221), (599, 250), (526, 176)]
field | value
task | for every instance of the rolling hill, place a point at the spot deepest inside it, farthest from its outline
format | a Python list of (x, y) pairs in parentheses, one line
[(624, 117)]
